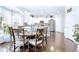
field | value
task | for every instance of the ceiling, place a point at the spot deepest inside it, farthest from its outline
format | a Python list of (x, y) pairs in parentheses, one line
[(36, 11), (43, 10)]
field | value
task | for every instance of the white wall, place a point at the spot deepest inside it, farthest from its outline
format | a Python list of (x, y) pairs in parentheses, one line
[(59, 19), (69, 22), (58, 23), (71, 19), (76, 14)]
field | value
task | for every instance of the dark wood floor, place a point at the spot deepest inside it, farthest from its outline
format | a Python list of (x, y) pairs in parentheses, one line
[(55, 43)]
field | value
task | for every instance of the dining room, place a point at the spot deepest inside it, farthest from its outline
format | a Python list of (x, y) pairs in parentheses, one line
[(29, 29), (33, 29)]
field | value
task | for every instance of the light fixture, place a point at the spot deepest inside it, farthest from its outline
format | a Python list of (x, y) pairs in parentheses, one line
[(32, 15), (51, 16)]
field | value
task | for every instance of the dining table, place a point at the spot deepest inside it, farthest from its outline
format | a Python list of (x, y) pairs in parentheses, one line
[(28, 35)]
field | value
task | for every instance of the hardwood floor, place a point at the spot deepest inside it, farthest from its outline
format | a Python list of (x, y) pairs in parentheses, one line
[(55, 43)]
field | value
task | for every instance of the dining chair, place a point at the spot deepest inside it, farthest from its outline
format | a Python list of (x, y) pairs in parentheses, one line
[(16, 42), (38, 41), (44, 31)]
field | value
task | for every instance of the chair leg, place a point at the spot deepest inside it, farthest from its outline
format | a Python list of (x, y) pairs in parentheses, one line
[(46, 40), (23, 48), (28, 46), (14, 47), (35, 49), (42, 45)]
